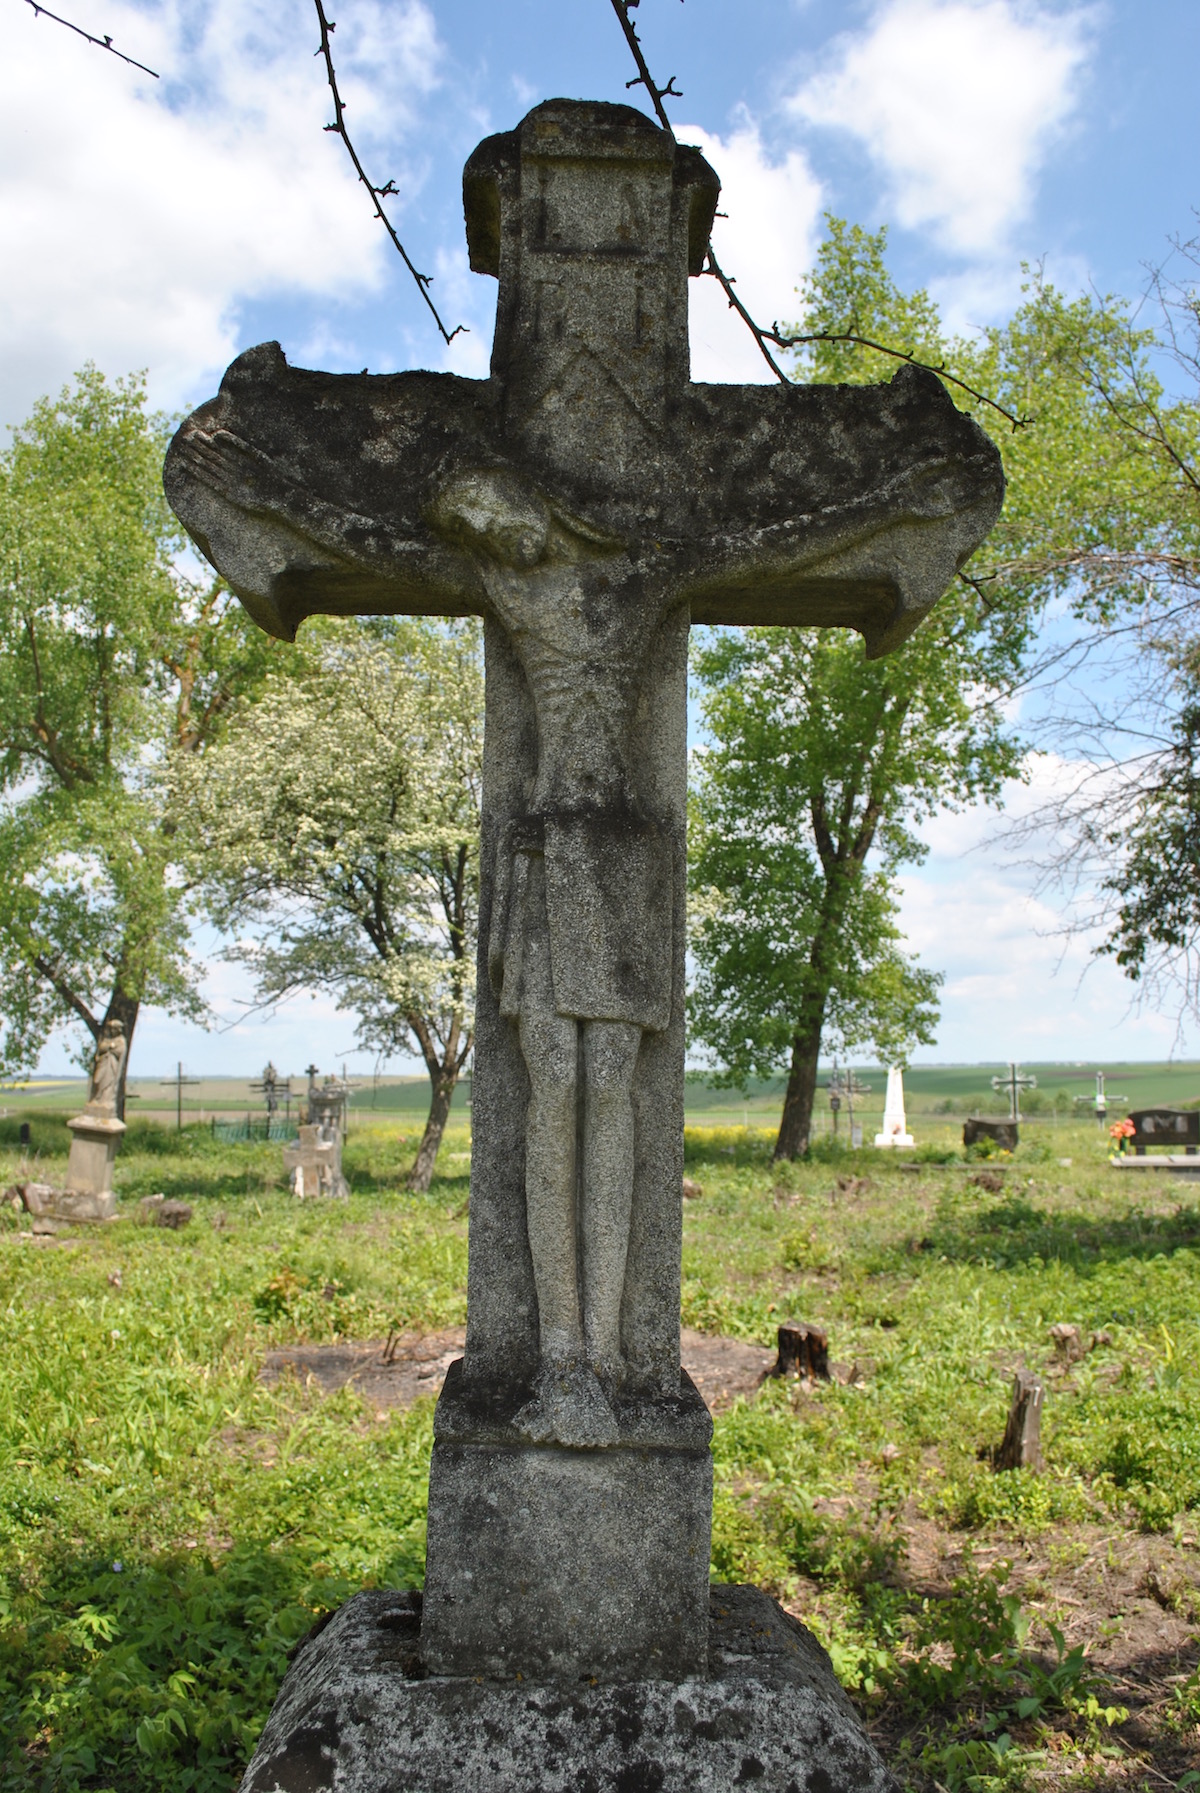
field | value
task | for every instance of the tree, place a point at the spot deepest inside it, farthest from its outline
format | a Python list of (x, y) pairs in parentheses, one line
[(341, 818), (112, 663), (804, 807), (1100, 537), (821, 766)]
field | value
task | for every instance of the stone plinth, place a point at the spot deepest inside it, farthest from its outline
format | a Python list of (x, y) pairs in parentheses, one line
[(47, 1203), (359, 1713), (558, 1562), (94, 1142)]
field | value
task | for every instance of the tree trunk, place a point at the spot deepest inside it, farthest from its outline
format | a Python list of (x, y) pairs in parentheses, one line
[(421, 1174), (803, 1352), (124, 1009), (796, 1123)]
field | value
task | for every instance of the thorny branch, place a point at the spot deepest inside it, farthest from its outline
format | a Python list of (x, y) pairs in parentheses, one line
[(101, 43), (774, 337), (378, 194), (643, 78)]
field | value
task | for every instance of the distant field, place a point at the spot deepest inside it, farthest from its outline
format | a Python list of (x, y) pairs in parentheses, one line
[(946, 1091), (943, 1091)]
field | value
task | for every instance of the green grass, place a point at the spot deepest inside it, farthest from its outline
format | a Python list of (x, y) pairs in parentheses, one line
[(169, 1524)]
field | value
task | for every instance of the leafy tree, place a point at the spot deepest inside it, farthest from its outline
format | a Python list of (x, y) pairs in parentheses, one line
[(1101, 536), (821, 766), (112, 663), (1156, 925), (804, 807), (341, 817)]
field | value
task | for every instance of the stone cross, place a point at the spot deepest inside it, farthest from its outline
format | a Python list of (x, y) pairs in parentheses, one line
[(588, 500), (314, 1162)]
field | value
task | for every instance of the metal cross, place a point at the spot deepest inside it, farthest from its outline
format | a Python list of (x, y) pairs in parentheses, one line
[(1014, 1083), (177, 1084)]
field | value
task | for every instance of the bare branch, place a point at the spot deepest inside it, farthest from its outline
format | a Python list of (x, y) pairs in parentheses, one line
[(712, 266), (881, 348), (101, 43), (643, 78), (378, 194), (766, 339)]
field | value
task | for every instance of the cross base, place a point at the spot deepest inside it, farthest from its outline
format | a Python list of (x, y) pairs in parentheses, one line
[(359, 1711), (560, 1563), (46, 1203)]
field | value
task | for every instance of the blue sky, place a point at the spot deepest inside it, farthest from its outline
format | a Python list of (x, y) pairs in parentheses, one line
[(170, 224)]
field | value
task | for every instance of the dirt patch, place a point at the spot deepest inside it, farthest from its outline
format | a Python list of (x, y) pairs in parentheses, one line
[(722, 1369), (415, 1364), (1133, 1600)]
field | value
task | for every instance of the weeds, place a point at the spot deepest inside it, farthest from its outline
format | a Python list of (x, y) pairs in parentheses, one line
[(169, 1524)]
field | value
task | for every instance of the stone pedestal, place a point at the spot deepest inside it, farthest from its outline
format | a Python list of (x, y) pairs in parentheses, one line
[(359, 1713), (47, 1203), (94, 1143), (559, 1563)]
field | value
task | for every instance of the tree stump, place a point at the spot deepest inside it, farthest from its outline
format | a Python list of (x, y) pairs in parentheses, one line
[(1021, 1447), (1005, 1135), (803, 1352), (1068, 1345)]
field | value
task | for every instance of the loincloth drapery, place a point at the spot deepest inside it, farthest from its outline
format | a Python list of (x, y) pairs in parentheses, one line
[(595, 893)]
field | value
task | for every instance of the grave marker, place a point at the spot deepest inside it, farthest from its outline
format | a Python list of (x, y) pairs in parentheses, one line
[(587, 500)]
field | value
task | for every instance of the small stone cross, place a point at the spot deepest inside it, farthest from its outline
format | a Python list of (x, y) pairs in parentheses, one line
[(588, 500), (314, 1162)]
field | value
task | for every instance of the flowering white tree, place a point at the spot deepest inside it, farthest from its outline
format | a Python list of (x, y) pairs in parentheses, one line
[(339, 819)]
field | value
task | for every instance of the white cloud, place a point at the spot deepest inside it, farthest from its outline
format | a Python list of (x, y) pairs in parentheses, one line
[(1017, 985), (767, 242), (958, 101), (137, 215)]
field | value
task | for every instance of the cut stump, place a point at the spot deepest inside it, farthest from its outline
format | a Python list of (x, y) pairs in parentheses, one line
[(1021, 1446), (803, 1352)]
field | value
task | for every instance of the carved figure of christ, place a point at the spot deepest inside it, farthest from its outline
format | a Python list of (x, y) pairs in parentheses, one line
[(586, 500)]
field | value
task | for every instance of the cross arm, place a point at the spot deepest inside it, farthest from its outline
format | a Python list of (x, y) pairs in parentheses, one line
[(310, 492), (846, 505)]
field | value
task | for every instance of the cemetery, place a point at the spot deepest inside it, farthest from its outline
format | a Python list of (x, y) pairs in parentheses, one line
[(202, 1509)]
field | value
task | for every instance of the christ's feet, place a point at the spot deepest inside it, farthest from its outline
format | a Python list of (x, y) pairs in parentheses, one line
[(568, 1407)]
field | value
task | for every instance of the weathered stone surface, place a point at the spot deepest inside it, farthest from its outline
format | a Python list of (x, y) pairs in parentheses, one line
[(558, 1563), (354, 1716), (93, 1150), (96, 1133), (156, 1210), (314, 1161), (588, 500), (48, 1203)]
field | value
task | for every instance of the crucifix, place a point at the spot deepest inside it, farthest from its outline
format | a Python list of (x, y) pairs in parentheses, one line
[(588, 500), (1014, 1083)]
